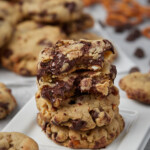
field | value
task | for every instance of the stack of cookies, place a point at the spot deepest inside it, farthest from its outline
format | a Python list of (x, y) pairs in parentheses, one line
[(76, 98)]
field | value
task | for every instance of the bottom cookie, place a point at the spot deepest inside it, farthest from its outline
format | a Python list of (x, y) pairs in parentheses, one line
[(16, 141), (98, 137)]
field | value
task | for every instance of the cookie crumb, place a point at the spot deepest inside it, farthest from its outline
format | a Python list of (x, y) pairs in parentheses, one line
[(139, 53)]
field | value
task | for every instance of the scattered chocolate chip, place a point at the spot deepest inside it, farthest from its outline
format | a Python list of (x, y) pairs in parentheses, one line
[(71, 6), (139, 52), (1, 18), (123, 28), (43, 13), (134, 69), (86, 47), (25, 72), (78, 124), (102, 24), (135, 34)]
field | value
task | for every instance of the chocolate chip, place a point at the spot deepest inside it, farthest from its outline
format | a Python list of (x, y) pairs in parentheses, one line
[(109, 46), (4, 105), (86, 47), (135, 34), (7, 53), (1, 18), (71, 6), (3, 148), (78, 124), (44, 42), (134, 69), (122, 28), (102, 24), (113, 72), (43, 13), (25, 72), (94, 114), (139, 52)]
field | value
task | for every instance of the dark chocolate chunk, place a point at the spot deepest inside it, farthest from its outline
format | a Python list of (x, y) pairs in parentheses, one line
[(7, 53), (71, 6), (44, 42), (4, 105), (94, 114), (110, 47), (43, 13), (139, 52), (135, 34), (134, 69), (25, 72), (122, 28), (86, 47), (78, 124)]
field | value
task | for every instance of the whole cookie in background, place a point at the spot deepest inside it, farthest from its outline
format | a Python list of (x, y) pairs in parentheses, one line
[(16, 141), (91, 36), (52, 11), (7, 101), (10, 12), (29, 39), (83, 112), (96, 138), (137, 86)]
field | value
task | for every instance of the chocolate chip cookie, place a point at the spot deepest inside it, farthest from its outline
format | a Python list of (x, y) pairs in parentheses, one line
[(58, 90), (52, 11), (10, 12), (7, 101), (83, 112), (22, 52), (137, 86), (69, 56), (96, 138), (16, 141)]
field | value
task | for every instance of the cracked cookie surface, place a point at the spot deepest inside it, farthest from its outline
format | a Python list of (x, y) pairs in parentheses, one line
[(98, 137), (137, 86), (7, 101), (16, 141)]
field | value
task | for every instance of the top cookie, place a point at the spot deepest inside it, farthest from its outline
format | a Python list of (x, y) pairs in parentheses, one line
[(22, 52), (7, 101), (16, 141), (137, 86), (52, 11), (68, 56)]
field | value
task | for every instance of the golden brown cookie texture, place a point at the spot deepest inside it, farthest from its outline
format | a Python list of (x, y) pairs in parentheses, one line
[(61, 10), (7, 101), (98, 137), (82, 113), (29, 38), (16, 141), (137, 86)]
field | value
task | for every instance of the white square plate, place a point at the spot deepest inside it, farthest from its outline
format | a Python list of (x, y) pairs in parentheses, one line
[(25, 122)]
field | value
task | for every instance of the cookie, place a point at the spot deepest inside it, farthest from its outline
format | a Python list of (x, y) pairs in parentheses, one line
[(6, 31), (84, 22), (10, 12), (69, 56), (91, 36), (16, 141), (22, 52), (83, 112), (58, 90), (52, 11), (137, 86), (7, 101), (96, 138)]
